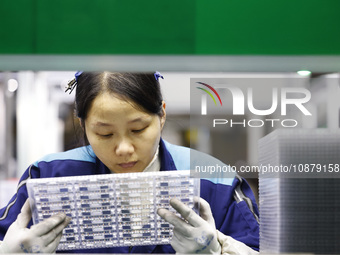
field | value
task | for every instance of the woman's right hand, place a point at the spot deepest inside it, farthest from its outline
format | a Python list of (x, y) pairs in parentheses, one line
[(43, 237)]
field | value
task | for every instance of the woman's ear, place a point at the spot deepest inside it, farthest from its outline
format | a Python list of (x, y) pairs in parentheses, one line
[(163, 116)]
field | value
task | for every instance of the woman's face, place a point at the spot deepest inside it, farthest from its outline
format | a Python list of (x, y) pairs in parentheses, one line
[(124, 138)]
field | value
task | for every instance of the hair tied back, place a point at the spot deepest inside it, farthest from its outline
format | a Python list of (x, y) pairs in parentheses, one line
[(73, 83), (158, 75)]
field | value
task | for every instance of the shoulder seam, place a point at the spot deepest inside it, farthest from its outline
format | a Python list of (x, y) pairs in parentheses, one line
[(77, 154)]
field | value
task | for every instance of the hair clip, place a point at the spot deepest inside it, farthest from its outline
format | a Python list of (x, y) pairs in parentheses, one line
[(73, 83), (158, 75)]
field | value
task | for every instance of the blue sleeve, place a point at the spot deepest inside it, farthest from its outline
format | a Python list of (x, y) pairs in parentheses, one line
[(10, 213), (234, 210)]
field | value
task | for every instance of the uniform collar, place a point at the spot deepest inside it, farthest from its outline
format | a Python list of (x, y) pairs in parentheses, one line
[(167, 162), (155, 164)]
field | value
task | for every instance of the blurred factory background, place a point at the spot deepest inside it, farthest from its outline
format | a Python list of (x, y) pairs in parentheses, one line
[(37, 116)]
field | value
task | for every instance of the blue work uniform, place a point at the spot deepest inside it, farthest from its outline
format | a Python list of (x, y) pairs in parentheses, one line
[(231, 199)]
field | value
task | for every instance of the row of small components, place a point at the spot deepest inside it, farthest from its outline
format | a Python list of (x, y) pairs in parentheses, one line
[(109, 241), (132, 226), (122, 236), (95, 209), (109, 186), (104, 203), (99, 194), (110, 198), (100, 218)]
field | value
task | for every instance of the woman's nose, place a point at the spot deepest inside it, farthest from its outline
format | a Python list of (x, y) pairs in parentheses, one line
[(124, 147)]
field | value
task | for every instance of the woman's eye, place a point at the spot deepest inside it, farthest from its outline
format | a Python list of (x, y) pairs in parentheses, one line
[(105, 135), (136, 131)]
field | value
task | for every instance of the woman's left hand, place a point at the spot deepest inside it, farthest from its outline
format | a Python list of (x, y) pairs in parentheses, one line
[(195, 234)]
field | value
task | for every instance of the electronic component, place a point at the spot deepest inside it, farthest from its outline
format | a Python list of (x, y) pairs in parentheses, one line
[(112, 209)]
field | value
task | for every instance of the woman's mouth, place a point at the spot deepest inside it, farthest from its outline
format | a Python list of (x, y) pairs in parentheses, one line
[(128, 164)]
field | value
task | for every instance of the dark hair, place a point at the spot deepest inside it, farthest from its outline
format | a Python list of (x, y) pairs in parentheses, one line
[(142, 89)]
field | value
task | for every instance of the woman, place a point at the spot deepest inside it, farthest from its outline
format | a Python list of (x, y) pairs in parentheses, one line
[(122, 115)]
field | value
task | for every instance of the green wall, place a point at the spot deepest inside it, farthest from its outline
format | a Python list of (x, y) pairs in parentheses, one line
[(224, 27)]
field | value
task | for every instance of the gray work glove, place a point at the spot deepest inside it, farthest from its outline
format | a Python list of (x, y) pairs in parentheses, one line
[(195, 234), (230, 246), (40, 238)]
